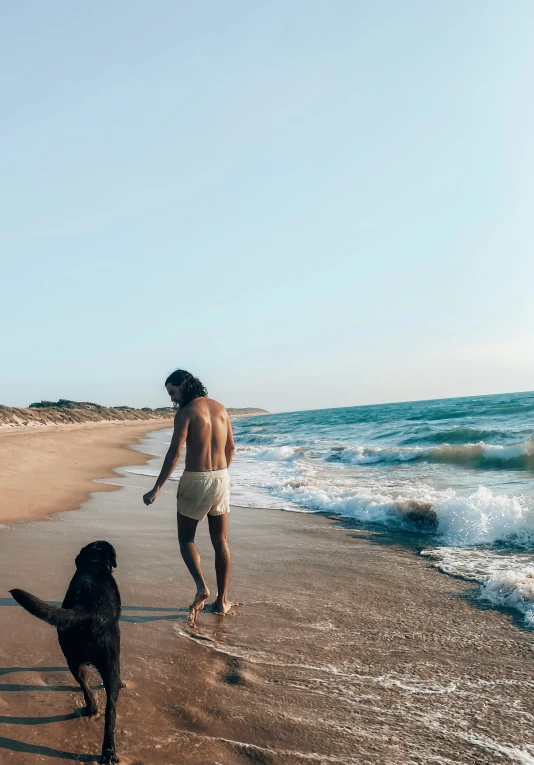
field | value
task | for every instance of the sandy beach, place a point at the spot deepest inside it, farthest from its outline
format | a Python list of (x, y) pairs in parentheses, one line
[(49, 468), (348, 647)]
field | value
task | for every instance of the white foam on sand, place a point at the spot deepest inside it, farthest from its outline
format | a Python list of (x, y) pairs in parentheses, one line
[(507, 581)]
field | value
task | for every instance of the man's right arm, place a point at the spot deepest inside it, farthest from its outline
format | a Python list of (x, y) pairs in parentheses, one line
[(181, 424), (229, 449)]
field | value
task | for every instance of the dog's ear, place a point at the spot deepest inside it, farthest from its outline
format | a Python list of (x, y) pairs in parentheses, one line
[(111, 556), (106, 552)]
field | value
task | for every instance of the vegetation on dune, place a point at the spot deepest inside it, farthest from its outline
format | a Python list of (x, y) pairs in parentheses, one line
[(66, 412)]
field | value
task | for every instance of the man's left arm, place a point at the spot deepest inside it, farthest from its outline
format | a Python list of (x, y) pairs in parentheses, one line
[(181, 424)]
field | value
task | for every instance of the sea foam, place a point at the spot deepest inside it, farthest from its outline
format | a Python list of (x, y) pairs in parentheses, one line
[(507, 580)]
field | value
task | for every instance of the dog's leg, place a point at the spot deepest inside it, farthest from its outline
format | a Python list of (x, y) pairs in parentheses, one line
[(79, 672), (112, 684)]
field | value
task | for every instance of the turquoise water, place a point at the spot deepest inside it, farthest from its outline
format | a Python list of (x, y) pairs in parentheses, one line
[(324, 459), (460, 470)]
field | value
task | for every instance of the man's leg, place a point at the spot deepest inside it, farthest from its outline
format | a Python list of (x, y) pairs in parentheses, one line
[(186, 536), (219, 538)]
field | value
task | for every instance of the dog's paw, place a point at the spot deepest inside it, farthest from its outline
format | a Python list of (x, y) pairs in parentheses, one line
[(109, 758), (89, 711)]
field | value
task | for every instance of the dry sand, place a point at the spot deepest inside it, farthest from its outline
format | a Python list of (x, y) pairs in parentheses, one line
[(348, 649), (44, 469)]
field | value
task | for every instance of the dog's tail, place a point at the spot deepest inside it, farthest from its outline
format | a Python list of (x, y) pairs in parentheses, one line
[(62, 618)]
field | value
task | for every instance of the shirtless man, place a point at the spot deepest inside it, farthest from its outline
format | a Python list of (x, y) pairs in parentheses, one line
[(203, 425)]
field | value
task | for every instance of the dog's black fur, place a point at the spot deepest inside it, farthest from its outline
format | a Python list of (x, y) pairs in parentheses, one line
[(88, 629)]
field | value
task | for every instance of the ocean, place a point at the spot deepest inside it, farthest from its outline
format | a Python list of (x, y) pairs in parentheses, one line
[(456, 471)]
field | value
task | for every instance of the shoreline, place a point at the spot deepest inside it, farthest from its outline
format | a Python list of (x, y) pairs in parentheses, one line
[(14, 430), (47, 469)]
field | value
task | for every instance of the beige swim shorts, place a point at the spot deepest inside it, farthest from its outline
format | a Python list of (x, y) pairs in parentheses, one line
[(202, 494)]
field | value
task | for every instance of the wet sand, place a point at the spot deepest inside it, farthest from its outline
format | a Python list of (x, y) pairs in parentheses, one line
[(48, 468), (348, 649)]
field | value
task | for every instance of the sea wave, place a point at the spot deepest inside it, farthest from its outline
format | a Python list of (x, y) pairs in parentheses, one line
[(507, 581), (457, 435), (483, 517), (472, 408), (254, 438), (370, 455), (272, 453), (519, 456), (512, 589), (480, 455)]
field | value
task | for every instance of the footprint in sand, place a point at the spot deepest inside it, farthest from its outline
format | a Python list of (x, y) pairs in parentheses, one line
[(238, 672), (194, 632), (234, 674)]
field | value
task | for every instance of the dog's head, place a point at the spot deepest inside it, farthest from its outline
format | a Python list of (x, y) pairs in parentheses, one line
[(99, 554)]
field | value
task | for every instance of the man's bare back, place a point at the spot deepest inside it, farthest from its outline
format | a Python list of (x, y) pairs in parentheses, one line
[(208, 434)]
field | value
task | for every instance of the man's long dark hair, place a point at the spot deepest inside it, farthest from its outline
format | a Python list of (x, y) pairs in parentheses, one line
[(192, 388)]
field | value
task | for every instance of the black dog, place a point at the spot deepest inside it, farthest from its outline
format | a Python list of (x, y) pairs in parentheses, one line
[(88, 629)]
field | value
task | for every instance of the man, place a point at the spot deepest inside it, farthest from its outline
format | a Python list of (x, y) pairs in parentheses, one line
[(203, 425)]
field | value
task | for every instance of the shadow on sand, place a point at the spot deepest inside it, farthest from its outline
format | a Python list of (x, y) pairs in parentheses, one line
[(134, 615), (148, 613), (13, 745)]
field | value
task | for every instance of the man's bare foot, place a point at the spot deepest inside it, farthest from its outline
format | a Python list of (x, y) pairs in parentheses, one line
[(223, 608), (197, 605)]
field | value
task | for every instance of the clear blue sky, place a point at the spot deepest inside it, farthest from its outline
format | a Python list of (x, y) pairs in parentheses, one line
[(307, 204)]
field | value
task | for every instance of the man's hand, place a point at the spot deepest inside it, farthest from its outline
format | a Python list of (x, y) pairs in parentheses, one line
[(150, 496)]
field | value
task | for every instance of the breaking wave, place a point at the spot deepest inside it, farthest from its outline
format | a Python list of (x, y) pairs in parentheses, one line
[(513, 457), (482, 518), (506, 581), (480, 455)]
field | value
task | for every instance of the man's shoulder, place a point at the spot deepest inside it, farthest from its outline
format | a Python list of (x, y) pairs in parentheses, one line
[(214, 404), (203, 402), (180, 415)]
